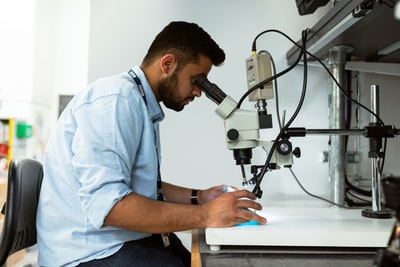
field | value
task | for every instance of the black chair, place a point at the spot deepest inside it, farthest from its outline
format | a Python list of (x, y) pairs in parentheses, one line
[(19, 226)]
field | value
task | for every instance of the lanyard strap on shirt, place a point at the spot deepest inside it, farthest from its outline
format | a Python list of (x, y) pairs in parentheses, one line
[(138, 84), (141, 91)]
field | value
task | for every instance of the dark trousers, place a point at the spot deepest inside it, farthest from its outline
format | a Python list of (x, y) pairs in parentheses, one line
[(147, 252)]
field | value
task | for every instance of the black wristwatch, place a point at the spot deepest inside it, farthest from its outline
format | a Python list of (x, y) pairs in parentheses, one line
[(193, 197)]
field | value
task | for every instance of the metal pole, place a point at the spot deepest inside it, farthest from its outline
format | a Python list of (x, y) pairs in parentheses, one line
[(337, 151), (375, 153), (376, 199)]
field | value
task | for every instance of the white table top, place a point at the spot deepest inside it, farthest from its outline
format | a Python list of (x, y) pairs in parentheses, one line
[(307, 227)]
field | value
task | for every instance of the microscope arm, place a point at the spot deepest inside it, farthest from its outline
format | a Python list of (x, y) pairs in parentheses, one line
[(386, 131)]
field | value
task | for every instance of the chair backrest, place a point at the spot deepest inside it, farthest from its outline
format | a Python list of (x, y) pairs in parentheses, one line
[(23, 188)]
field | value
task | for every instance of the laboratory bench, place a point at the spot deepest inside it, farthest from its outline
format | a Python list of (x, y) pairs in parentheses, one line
[(295, 236)]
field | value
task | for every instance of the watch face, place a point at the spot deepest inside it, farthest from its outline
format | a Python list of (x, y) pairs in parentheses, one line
[(193, 197)]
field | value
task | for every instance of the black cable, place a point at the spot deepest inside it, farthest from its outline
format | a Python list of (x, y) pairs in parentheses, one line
[(253, 47), (384, 154), (351, 203), (348, 183), (262, 83), (347, 94), (274, 77), (356, 189), (302, 49), (302, 54), (342, 90), (257, 191)]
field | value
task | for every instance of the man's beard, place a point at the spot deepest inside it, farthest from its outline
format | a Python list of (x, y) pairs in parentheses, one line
[(168, 90)]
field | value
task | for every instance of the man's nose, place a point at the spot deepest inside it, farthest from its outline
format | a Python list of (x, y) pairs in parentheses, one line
[(197, 91)]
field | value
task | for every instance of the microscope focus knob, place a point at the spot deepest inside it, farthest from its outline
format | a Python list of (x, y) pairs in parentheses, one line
[(297, 152), (232, 134), (284, 147)]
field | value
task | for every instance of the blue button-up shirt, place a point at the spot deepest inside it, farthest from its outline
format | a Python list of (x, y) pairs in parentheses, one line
[(104, 147)]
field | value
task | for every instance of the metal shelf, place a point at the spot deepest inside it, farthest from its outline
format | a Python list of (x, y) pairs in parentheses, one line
[(346, 24), (374, 67)]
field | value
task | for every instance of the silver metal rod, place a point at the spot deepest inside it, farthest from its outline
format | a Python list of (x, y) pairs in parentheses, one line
[(375, 102), (375, 185), (336, 100), (375, 166)]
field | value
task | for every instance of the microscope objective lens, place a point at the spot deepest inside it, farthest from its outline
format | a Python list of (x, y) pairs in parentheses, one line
[(243, 171)]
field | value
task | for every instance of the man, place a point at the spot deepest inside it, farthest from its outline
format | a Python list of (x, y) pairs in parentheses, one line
[(102, 200)]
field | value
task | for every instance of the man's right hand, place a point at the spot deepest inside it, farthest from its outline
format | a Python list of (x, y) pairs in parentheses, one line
[(232, 208)]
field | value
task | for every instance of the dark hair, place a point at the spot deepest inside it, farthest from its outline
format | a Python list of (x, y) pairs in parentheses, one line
[(186, 41)]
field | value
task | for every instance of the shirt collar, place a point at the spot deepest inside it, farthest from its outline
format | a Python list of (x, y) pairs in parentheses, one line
[(154, 108)]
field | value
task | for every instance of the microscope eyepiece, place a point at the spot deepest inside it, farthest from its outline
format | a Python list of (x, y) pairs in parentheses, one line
[(212, 91)]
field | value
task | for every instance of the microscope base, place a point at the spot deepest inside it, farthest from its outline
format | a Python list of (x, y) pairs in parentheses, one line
[(384, 214)]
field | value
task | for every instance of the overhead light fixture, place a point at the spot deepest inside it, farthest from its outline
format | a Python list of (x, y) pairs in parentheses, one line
[(389, 49)]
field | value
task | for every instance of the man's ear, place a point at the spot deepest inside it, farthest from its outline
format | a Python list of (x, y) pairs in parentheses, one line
[(168, 64)]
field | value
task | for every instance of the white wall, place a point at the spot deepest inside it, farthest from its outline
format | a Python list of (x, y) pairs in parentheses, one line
[(43, 53), (61, 49), (193, 147), (16, 51), (17, 35)]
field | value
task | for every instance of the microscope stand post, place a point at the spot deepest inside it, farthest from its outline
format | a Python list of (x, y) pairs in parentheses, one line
[(375, 154)]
